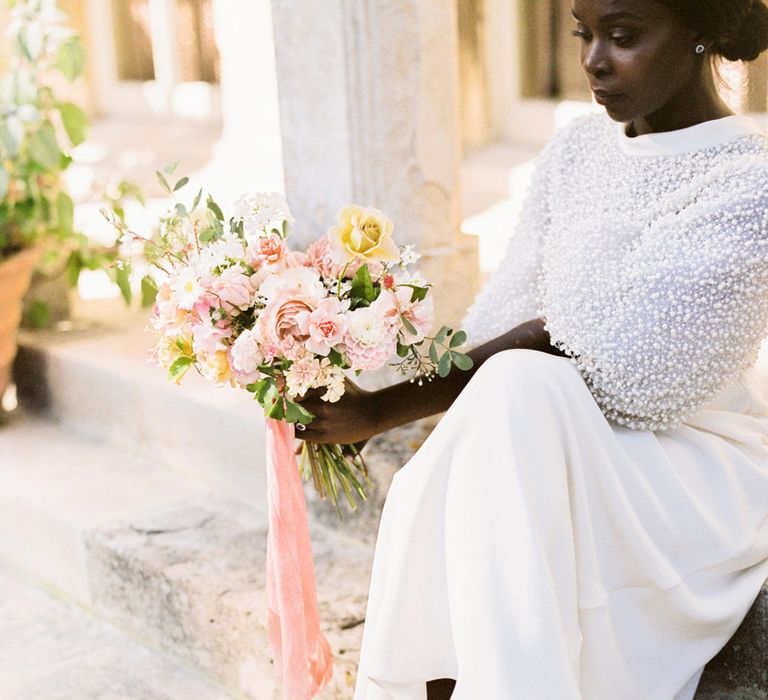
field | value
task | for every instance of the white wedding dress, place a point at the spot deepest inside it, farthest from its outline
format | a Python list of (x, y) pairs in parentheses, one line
[(595, 526)]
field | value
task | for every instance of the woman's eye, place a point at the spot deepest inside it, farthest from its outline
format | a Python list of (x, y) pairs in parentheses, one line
[(580, 34), (622, 39)]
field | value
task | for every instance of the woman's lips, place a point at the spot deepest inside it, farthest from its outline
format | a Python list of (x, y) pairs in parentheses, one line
[(606, 98)]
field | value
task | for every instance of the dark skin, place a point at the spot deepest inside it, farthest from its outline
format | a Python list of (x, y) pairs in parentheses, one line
[(641, 61)]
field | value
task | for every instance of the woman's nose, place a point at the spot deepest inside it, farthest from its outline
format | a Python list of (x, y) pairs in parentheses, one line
[(596, 61)]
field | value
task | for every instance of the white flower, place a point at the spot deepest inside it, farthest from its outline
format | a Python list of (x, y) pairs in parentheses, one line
[(366, 326), (246, 353), (332, 378), (301, 280), (408, 255), (260, 212), (186, 288)]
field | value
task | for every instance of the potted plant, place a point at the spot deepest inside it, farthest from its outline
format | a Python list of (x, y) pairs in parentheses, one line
[(37, 132)]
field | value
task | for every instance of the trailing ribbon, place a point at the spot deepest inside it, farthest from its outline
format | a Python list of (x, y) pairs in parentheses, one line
[(301, 652)]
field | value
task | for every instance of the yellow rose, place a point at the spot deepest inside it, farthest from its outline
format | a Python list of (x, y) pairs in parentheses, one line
[(363, 233)]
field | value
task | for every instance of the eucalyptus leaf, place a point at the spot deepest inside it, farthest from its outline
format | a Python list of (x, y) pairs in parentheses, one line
[(180, 184), (163, 182), (169, 169), (214, 208), (462, 361), (458, 338), (444, 365), (433, 352)]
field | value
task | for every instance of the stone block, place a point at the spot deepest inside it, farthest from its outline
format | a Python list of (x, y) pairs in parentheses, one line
[(50, 650), (740, 670), (191, 580)]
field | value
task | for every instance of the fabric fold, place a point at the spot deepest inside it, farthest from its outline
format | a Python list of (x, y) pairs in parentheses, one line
[(300, 651)]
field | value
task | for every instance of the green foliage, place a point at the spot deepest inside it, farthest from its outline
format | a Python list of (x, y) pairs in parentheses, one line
[(37, 133)]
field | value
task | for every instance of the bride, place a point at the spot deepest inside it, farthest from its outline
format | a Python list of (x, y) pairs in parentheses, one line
[(589, 519)]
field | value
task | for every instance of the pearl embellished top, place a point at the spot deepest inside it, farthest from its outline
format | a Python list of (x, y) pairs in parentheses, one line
[(647, 258)]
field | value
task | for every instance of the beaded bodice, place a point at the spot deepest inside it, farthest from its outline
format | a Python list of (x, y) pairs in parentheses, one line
[(647, 258)]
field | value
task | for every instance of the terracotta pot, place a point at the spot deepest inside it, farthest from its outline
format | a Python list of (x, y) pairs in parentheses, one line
[(15, 275)]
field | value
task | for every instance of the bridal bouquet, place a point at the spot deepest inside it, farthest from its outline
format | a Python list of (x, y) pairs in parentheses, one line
[(236, 304), (232, 301)]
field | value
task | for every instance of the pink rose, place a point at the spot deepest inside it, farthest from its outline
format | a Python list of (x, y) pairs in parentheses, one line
[(208, 339), (321, 257), (266, 250), (232, 289), (325, 326), (279, 327)]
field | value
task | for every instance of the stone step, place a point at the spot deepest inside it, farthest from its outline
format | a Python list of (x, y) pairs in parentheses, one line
[(164, 557), (191, 579), (95, 379), (52, 650)]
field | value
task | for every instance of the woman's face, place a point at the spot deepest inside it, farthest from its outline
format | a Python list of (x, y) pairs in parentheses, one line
[(639, 58)]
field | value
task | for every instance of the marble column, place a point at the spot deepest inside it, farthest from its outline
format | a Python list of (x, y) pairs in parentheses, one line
[(369, 111)]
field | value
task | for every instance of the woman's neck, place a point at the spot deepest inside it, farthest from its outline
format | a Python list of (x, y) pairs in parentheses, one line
[(699, 103)]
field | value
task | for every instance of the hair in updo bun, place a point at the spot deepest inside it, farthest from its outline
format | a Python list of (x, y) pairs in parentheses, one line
[(738, 29)]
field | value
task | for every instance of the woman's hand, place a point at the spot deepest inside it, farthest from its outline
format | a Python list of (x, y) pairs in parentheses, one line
[(351, 419)]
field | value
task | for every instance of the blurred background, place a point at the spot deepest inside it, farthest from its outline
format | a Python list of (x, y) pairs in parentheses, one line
[(132, 510)]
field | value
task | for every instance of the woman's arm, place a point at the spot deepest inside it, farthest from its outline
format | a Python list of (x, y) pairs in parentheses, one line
[(360, 414)]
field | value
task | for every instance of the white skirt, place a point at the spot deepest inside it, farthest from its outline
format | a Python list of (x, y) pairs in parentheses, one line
[(533, 550)]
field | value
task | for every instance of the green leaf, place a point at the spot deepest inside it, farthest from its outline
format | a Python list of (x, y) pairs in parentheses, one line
[(433, 352), (8, 140), (179, 368), (296, 413), (148, 291), (336, 358), (458, 338), (73, 267), (442, 334), (462, 361), (65, 212), (181, 210), (409, 326), (402, 350), (417, 293), (123, 281), (197, 199), (43, 147), (261, 388), (169, 169), (163, 182), (70, 59), (275, 409), (444, 366), (38, 315), (214, 208), (5, 178), (362, 286), (75, 122), (180, 184)]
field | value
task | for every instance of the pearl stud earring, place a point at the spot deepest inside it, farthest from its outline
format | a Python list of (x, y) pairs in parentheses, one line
[(700, 48)]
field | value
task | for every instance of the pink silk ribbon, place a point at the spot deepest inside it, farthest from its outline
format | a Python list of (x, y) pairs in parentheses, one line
[(301, 652)]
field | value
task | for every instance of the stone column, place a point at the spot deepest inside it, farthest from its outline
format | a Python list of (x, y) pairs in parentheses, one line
[(369, 112)]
